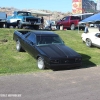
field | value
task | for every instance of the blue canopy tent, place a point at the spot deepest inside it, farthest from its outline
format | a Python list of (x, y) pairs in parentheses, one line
[(92, 19)]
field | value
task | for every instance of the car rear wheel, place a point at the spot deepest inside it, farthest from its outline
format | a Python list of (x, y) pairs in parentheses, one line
[(41, 63), (72, 27), (88, 42)]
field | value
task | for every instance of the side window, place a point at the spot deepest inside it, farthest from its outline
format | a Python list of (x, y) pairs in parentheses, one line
[(29, 14), (14, 14), (72, 18), (75, 18), (31, 38), (67, 18), (64, 18), (97, 35)]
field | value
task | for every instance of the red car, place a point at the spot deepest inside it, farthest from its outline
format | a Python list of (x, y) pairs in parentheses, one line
[(70, 22)]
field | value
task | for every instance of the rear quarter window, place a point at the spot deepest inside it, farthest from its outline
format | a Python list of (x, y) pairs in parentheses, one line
[(75, 18), (31, 37)]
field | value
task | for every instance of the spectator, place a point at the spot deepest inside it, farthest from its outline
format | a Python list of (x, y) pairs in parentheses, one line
[(99, 27), (42, 22), (86, 28)]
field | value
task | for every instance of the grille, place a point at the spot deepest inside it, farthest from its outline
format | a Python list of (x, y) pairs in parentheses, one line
[(69, 61), (31, 20)]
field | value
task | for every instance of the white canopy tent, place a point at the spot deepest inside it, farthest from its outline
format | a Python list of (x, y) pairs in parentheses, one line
[(40, 13)]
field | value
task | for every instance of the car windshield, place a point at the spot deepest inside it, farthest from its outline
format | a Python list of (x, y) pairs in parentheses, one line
[(47, 40), (24, 13)]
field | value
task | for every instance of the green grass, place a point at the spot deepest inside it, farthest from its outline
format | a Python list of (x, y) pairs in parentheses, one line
[(12, 61)]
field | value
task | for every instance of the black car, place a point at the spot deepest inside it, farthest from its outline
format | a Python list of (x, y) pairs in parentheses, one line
[(48, 48)]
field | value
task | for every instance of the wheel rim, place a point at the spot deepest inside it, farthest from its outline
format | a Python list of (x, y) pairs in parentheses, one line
[(4, 25), (88, 42), (72, 27), (18, 46), (40, 63)]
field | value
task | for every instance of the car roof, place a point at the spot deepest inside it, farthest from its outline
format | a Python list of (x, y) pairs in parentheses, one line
[(82, 14), (44, 33)]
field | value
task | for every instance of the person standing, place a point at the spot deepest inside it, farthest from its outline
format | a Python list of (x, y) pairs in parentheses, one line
[(86, 28), (42, 22), (99, 27)]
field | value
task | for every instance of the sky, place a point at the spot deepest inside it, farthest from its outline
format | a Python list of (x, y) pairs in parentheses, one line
[(52, 5)]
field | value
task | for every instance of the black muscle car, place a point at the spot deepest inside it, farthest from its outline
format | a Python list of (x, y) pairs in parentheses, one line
[(48, 48)]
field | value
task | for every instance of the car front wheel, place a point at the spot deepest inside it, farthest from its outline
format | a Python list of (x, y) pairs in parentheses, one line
[(41, 63), (4, 25), (20, 26), (18, 46), (88, 42)]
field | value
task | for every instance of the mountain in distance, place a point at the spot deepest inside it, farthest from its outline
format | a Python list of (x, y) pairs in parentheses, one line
[(55, 14)]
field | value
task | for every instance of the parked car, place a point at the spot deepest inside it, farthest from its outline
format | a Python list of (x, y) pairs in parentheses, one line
[(48, 48), (94, 25), (3, 17), (91, 39), (23, 18), (50, 25)]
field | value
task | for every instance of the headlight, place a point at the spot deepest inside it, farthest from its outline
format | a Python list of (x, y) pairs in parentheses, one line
[(3, 20), (54, 61), (39, 20), (78, 59)]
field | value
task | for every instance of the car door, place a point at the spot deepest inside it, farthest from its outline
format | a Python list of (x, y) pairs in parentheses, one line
[(66, 22), (30, 44), (96, 40)]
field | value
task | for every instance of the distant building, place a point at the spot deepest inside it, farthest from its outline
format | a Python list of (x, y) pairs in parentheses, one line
[(83, 6), (98, 5)]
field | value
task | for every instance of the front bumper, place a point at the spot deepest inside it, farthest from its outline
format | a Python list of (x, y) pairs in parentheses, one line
[(64, 65), (30, 23)]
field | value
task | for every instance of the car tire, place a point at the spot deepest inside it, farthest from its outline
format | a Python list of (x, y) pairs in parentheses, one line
[(18, 46), (88, 42), (72, 27), (40, 63)]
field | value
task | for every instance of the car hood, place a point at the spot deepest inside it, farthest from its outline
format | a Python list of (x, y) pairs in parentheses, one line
[(58, 51)]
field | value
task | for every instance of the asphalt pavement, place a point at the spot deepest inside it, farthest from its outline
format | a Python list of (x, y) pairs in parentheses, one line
[(74, 84)]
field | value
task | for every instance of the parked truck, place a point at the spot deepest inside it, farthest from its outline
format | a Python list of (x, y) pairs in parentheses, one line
[(23, 18), (3, 17), (69, 22), (72, 22)]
